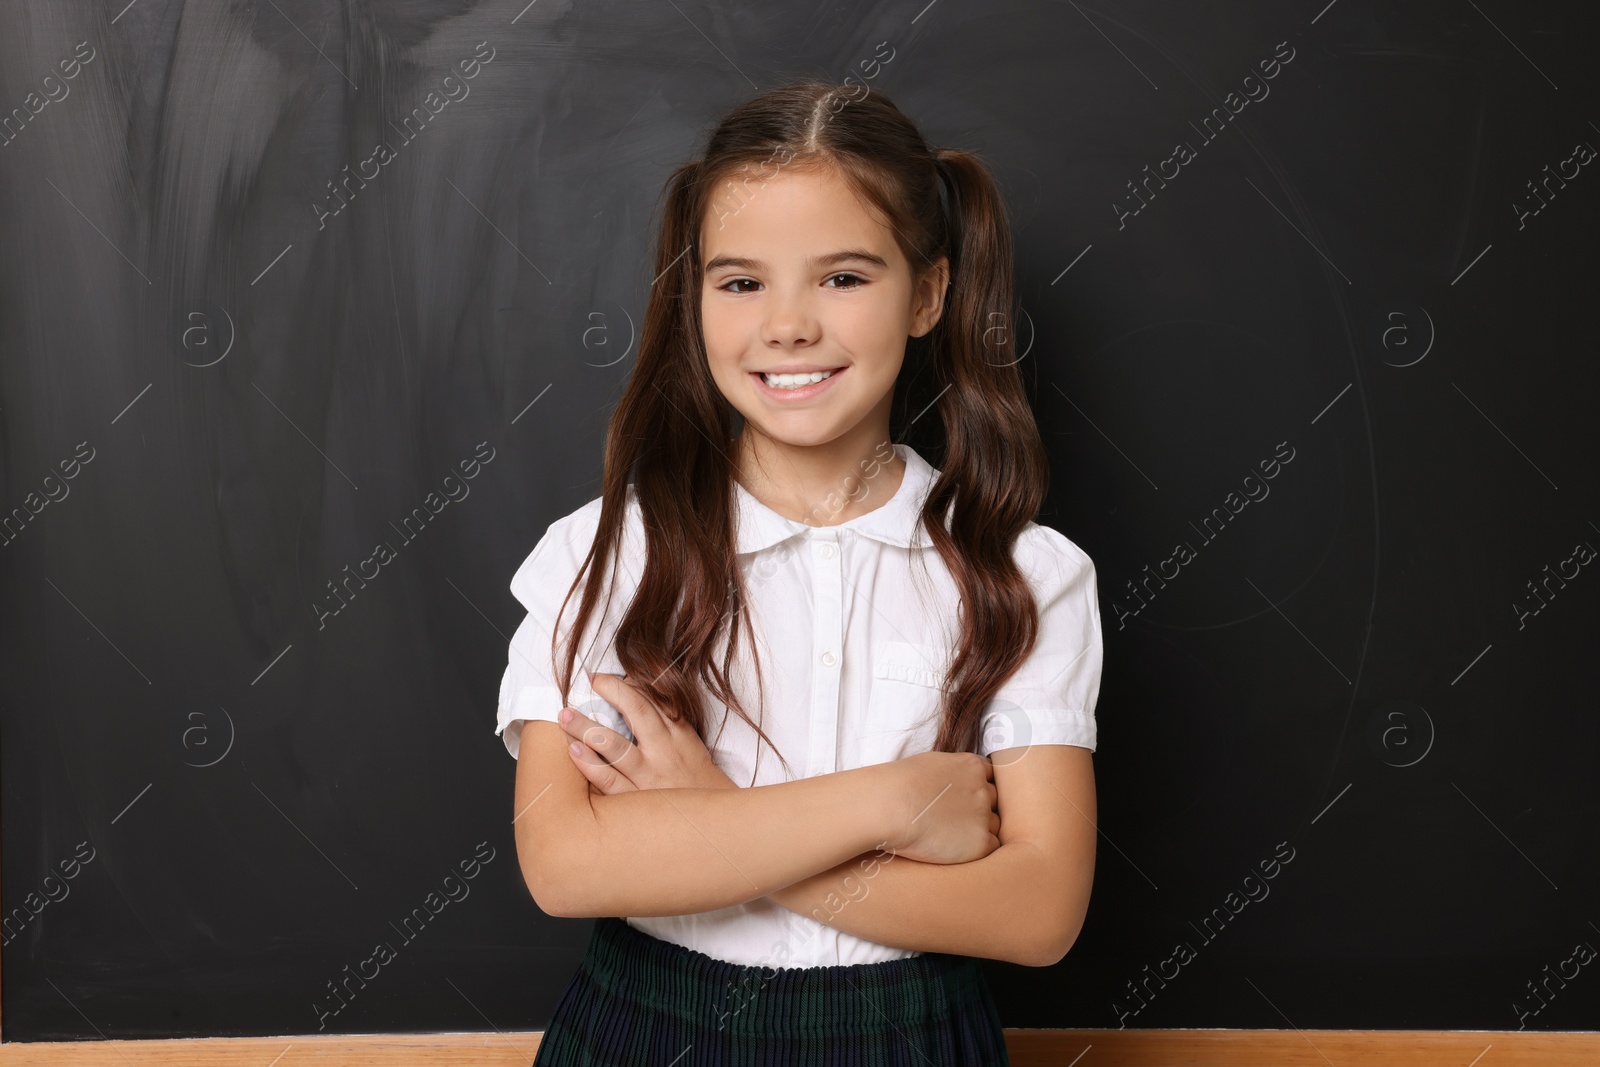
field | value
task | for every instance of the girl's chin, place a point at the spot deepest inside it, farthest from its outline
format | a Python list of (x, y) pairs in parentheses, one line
[(795, 433)]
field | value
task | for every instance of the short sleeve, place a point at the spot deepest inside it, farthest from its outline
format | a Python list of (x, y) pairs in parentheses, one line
[(528, 688), (1051, 698)]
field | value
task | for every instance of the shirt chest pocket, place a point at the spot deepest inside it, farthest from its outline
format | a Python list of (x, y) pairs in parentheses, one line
[(903, 704)]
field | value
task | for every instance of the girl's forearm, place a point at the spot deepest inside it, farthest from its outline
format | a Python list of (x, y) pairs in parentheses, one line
[(680, 851), (1005, 906)]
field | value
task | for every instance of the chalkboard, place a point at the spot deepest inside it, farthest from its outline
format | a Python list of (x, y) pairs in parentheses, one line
[(1307, 294)]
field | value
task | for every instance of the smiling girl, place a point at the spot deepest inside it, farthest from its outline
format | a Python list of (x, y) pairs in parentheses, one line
[(922, 658)]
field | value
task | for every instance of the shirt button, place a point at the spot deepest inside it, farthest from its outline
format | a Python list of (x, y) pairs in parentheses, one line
[(827, 551), (829, 659)]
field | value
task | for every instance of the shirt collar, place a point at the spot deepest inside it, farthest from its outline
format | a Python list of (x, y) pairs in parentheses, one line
[(894, 522)]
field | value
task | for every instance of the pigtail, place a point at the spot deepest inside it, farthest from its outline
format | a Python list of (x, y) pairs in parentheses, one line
[(662, 443), (994, 472)]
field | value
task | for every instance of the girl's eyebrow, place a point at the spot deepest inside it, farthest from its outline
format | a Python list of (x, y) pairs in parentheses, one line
[(829, 260)]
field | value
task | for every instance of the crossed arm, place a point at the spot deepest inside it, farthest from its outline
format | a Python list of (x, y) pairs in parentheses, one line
[(1024, 902), (811, 845)]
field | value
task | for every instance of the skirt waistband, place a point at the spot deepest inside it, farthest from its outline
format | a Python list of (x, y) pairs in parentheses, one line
[(749, 999)]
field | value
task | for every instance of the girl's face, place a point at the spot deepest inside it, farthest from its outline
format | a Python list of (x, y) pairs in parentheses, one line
[(801, 276)]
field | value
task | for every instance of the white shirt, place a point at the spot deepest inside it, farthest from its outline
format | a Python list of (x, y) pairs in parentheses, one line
[(855, 625)]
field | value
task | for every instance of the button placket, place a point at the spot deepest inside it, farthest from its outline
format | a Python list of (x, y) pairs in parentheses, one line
[(827, 641)]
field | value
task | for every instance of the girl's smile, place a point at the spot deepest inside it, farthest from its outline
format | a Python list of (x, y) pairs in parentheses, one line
[(783, 389)]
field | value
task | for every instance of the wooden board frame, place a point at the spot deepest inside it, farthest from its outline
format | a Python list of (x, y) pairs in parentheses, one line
[(1028, 1048)]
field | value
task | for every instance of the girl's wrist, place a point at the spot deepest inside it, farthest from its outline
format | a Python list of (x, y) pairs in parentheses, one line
[(883, 802)]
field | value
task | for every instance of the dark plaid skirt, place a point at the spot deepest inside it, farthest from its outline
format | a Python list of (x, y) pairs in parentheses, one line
[(637, 999)]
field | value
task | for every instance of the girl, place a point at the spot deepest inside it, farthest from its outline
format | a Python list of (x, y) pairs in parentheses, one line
[(826, 285)]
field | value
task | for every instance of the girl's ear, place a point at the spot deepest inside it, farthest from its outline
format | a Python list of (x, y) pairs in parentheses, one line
[(928, 299)]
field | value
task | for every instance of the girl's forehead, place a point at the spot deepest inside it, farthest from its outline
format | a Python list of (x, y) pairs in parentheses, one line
[(790, 216)]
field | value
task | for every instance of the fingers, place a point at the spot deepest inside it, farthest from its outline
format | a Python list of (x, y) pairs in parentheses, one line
[(600, 774), (609, 745), (643, 717)]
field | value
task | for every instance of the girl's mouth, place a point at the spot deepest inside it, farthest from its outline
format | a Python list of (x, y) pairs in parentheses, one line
[(783, 387)]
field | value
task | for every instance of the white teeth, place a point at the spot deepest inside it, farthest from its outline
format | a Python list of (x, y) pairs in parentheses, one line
[(795, 381)]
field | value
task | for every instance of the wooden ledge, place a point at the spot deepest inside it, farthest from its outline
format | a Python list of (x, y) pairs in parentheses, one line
[(1029, 1048)]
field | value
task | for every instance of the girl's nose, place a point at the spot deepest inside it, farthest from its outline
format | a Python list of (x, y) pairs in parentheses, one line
[(790, 321)]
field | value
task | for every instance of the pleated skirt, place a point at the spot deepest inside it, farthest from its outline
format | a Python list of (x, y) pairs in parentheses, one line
[(638, 1000)]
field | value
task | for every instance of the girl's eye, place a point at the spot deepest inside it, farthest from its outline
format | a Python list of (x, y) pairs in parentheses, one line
[(852, 281)]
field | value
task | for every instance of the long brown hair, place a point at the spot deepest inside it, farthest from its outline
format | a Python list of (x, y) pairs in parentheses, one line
[(673, 429)]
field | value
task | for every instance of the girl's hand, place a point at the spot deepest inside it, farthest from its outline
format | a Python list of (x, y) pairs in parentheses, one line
[(668, 755), (946, 803)]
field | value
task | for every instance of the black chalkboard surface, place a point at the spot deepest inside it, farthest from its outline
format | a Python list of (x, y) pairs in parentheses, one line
[(1308, 294)]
